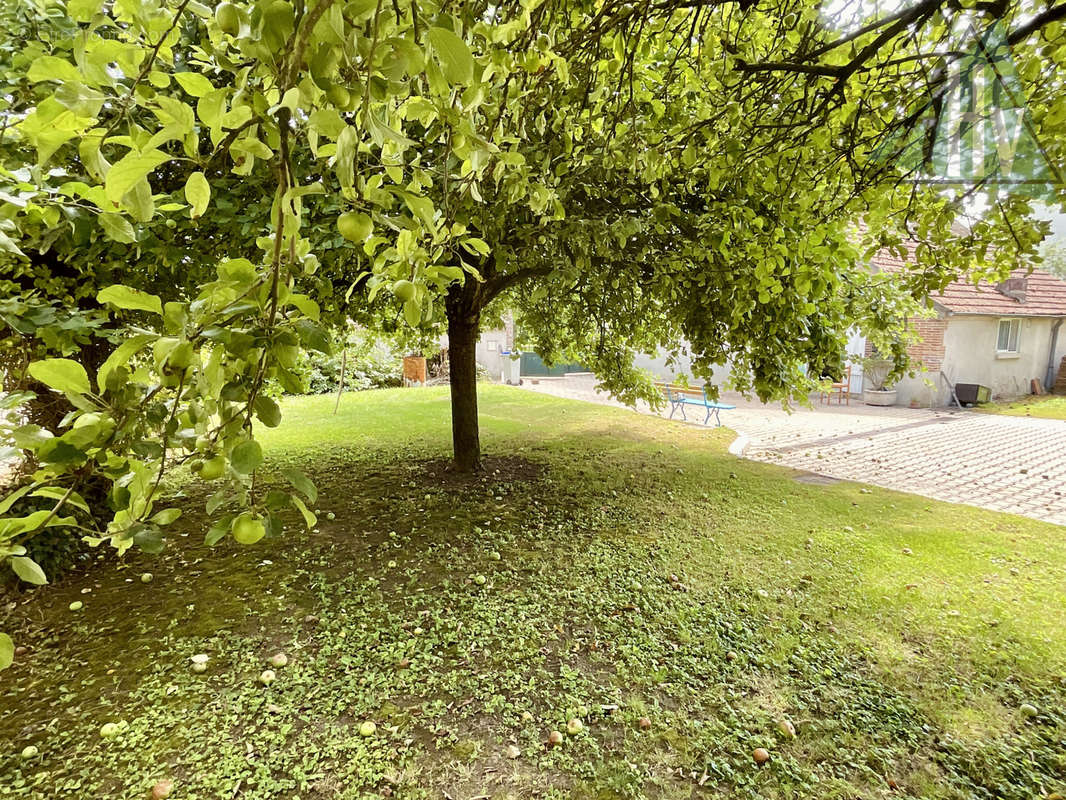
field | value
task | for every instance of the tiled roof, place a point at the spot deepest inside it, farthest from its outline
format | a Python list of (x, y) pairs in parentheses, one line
[(1045, 294)]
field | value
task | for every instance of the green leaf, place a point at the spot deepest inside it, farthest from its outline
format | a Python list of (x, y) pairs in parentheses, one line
[(412, 312), (360, 9), (130, 169), (309, 518), (267, 410), (27, 437), (166, 516), (302, 483), (194, 83), (129, 298), (7, 651), (13, 498), (150, 540), (313, 336), (117, 228), (344, 163), (308, 307), (198, 193), (7, 244), (246, 457), (217, 500), (53, 68), (455, 59), (210, 108), (58, 493), (121, 356), (218, 531), (61, 374), (29, 570), (83, 10)]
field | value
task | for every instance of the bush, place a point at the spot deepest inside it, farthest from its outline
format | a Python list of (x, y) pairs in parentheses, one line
[(371, 364), (60, 548)]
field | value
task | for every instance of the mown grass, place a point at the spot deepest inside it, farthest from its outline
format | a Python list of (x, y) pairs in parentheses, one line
[(1045, 407), (616, 567)]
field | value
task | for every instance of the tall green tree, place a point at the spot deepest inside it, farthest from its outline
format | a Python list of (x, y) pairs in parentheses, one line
[(705, 173), (220, 180)]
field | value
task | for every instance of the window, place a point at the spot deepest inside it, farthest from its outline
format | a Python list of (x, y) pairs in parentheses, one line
[(1007, 341)]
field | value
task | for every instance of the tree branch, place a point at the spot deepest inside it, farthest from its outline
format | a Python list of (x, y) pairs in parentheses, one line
[(1053, 14), (498, 284)]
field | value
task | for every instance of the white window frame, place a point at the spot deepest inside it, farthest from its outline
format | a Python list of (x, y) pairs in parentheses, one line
[(1015, 325)]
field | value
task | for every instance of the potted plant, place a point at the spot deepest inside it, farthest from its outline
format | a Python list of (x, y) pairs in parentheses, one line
[(875, 371)]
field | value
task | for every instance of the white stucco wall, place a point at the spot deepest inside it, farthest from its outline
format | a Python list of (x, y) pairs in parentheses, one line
[(489, 353), (924, 390), (970, 353), (657, 366)]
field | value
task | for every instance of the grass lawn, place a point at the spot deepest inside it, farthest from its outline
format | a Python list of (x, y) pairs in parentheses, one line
[(686, 606), (1045, 407)]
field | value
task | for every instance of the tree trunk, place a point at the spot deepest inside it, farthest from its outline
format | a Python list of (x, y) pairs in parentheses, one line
[(464, 323)]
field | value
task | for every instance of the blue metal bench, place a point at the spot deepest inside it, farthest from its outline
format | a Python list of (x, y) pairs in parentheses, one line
[(681, 396)]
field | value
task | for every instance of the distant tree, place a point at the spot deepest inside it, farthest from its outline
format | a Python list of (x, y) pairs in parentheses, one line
[(1053, 253)]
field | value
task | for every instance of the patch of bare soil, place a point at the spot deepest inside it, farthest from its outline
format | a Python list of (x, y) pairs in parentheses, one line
[(494, 469)]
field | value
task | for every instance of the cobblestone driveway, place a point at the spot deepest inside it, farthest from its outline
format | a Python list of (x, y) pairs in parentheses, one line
[(1012, 464)]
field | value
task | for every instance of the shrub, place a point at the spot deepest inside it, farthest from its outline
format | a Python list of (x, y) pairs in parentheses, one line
[(371, 364)]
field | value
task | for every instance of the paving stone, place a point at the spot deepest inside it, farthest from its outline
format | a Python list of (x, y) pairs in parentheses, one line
[(995, 462)]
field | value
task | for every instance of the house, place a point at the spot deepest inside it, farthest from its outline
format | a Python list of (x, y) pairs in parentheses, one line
[(1002, 336)]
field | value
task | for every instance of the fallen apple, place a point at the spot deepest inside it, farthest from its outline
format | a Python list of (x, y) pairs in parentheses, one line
[(761, 755), (77, 605), (109, 730), (278, 660), (30, 751), (1028, 710), (644, 723), (574, 726), (787, 729), (368, 728), (266, 677), (480, 580), (146, 577), (198, 668), (555, 738), (162, 789)]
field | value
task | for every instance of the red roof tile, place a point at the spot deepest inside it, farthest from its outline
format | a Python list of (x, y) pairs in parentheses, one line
[(1045, 294)]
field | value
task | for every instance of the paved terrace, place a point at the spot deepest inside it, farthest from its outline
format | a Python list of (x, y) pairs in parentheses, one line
[(1013, 464)]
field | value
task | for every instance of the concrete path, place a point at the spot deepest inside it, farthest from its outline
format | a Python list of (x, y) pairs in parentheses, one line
[(1013, 464)]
